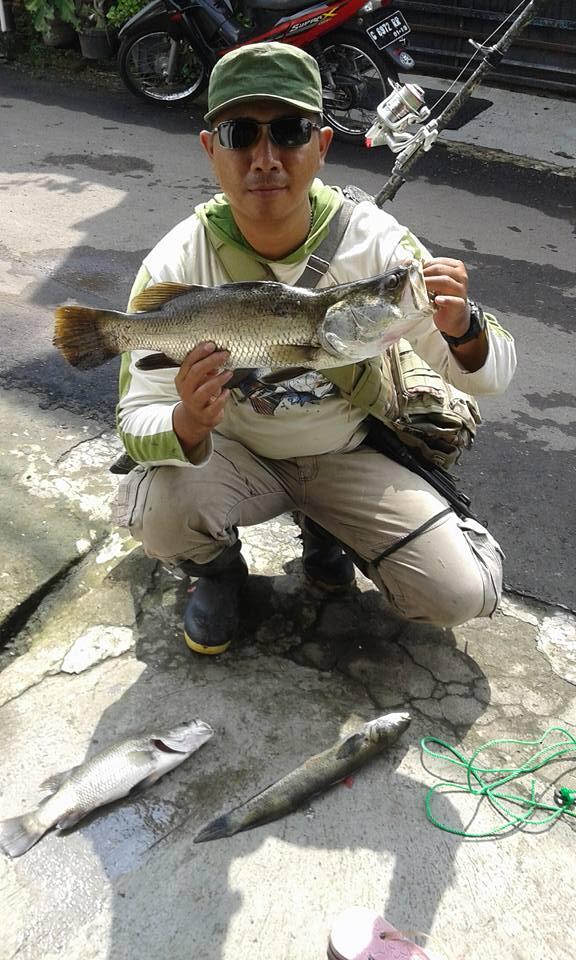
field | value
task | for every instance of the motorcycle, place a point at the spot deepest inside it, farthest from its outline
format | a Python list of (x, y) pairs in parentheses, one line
[(167, 50)]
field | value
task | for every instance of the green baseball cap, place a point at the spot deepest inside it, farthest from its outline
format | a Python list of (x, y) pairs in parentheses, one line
[(268, 71)]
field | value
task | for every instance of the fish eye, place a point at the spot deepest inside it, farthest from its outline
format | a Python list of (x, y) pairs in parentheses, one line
[(393, 282)]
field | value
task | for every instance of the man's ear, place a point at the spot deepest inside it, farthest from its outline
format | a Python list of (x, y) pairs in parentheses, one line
[(207, 141), (325, 135)]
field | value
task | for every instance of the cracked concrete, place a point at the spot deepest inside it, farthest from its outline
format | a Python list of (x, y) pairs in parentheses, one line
[(101, 656)]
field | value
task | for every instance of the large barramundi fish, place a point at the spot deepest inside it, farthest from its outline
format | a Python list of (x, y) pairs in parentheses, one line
[(261, 324)]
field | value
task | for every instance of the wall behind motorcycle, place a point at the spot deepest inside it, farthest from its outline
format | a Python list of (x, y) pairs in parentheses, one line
[(543, 55)]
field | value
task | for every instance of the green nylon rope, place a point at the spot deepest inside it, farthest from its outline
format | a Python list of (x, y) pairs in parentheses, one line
[(476, 785)]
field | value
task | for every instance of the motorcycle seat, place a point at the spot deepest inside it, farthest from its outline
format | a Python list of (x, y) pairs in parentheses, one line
[(277, 4)]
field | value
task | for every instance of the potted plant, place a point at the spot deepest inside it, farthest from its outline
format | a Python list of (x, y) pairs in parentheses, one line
[(55, 20), (97, 36)]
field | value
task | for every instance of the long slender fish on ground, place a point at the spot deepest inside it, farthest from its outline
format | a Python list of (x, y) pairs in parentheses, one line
[(313, 776), (261, 323), (108, 776)]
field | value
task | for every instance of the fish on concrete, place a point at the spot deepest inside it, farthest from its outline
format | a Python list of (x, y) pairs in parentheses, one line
[(261, 323), (315, 775), (108, 776)]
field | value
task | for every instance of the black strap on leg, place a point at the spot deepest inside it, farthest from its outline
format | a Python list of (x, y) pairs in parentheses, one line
[(382, 438), (412, 536)]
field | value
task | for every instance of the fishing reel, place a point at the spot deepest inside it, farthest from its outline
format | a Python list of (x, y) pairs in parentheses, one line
[(403, 108)]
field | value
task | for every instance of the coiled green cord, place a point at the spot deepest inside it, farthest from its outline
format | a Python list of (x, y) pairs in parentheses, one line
[(476, 785)]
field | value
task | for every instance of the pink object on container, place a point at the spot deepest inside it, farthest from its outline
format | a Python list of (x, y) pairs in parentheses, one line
[(361, 934)]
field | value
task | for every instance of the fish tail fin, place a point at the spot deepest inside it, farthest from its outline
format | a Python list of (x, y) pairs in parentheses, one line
[(80, 336), (19, 834), (220, 827)]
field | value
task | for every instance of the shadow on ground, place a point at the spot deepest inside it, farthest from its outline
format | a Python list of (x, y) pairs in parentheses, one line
[(301, 669)]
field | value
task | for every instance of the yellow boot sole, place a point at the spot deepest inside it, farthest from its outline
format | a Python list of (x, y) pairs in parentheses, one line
[(209, 650)]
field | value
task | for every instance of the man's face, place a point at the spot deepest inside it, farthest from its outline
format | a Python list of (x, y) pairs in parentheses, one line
[(266, 182)]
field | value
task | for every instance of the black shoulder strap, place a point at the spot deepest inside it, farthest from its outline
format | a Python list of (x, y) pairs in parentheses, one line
[(319, 261)]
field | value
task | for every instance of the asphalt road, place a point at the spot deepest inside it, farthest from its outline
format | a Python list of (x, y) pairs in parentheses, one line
[(90, 179)]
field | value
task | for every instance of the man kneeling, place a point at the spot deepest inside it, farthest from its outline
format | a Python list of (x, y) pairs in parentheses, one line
[(214, 458)]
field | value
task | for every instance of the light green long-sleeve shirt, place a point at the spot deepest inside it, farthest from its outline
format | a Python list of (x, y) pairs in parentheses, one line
[(307, 416)]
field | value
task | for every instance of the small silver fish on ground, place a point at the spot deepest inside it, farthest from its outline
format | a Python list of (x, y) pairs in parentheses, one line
[(261, 323), (106, 777), (310, 778)]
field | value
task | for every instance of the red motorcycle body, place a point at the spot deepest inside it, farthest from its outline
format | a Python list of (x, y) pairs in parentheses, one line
[(303, 26)]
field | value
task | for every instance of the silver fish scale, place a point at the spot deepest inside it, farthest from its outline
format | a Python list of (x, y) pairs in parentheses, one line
[(104, 776), (256, 328)]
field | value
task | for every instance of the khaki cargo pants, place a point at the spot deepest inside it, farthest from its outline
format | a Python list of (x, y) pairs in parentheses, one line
[(445, 575)]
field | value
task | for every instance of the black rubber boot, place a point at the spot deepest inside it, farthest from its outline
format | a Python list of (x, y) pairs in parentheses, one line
[(326, 566), (212, 614)]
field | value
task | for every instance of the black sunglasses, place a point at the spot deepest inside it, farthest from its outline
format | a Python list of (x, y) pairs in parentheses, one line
[(284, 132)]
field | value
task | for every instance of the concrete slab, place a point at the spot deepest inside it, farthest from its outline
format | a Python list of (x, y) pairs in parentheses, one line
[(129, 882), (55, 492)]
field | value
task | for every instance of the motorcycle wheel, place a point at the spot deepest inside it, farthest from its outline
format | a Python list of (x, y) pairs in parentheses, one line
[(357, 76), (157, 67)]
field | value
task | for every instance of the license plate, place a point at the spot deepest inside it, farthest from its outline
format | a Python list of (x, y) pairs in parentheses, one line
[(389, 30)]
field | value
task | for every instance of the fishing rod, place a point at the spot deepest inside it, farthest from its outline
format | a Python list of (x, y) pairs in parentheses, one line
[(406, 107)]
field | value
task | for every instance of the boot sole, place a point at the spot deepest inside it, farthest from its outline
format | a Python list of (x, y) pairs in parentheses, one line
[(327, 587), (209, 650)]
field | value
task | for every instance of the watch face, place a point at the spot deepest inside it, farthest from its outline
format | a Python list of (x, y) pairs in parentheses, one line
[(477, 318), (477, 325)]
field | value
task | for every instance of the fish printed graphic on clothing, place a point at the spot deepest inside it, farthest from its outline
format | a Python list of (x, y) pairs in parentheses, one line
[(266, 399)]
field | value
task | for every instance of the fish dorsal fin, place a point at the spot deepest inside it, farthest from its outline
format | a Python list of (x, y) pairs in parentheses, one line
[(350, 746), (154, 297)]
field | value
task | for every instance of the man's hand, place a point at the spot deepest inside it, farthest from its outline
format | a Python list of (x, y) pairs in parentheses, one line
[(447, 284), (201, 385)]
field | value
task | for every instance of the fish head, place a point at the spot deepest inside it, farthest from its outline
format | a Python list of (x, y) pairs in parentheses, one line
[(415, 300), (382, 310), (185, 738), (391, 725)]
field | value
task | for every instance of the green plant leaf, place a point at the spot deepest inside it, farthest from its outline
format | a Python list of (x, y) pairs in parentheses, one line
[(122, 10)]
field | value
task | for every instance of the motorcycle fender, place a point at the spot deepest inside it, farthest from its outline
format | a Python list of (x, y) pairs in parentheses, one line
[(153, 15)]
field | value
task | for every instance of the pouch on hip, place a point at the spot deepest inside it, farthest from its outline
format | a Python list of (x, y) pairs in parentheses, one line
[(131, 499)]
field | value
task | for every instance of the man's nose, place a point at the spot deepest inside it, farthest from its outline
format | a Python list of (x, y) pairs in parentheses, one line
[(265, 154)]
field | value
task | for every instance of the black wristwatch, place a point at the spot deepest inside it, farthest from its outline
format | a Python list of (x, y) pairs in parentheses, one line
[(477, 326)]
